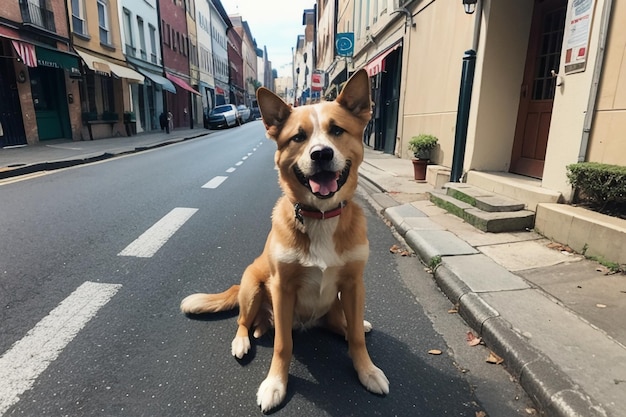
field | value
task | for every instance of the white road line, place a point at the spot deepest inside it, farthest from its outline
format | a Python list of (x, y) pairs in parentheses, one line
[(21, 365), (239, 163), (215, 182), (244, 158), (230, 170), (146, 245)]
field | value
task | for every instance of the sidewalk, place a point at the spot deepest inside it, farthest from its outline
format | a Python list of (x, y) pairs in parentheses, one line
[(555, 318), (63, 153)]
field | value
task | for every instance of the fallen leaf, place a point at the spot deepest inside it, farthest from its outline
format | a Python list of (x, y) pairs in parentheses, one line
[(493, 358), (601, 305), (531, 411), (481, 414), (405, 253), (394, 249), (453, 311), (434, 352), (472, 340)]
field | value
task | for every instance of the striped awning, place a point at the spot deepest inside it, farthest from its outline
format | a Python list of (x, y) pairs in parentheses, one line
[(26, 52)]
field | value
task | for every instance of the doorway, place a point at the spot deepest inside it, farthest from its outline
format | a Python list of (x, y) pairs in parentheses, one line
[(538, 88), (48, 92), (11, 121)]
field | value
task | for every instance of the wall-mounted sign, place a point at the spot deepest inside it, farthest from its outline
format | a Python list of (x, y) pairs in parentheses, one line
[(344, 44), (578, 29), (317, 81)]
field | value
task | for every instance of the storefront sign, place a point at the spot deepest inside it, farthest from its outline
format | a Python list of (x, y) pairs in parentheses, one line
[(578, 30)]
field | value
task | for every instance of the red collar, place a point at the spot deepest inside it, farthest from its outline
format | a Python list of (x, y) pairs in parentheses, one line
[(317, 214)]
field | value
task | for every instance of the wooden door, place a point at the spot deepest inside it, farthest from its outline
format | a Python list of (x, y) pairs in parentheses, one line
[(538, 87)]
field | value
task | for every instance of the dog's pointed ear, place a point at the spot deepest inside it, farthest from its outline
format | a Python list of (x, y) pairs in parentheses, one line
[(355, 95), (274, 111)]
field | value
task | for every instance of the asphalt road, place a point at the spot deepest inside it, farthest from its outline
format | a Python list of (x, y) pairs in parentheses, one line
[(95, 259)]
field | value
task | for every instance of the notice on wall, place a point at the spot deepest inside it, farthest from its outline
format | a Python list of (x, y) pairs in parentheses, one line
[(578, 31)]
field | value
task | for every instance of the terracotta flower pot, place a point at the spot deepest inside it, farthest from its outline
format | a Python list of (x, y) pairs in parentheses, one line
[(419, 169)]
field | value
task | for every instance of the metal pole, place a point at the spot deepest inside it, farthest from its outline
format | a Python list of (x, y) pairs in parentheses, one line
[(167, 125), (462, 115)]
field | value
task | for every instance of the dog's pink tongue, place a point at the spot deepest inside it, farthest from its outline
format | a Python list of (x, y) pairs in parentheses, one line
[(324, 183)]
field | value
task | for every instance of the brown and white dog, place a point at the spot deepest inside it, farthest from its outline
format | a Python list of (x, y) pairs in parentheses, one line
[(311, 269)]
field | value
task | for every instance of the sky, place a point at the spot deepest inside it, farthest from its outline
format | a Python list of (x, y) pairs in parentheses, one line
[(275, 24)]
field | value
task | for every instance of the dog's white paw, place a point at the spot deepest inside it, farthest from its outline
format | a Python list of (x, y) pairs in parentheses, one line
[(367, 326), (374, 380), (240, 346), (271, 393)]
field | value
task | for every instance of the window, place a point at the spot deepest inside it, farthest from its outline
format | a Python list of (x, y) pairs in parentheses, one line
[(142, 39), (103, 21), (128, 34), (153, 53), (78, 17)]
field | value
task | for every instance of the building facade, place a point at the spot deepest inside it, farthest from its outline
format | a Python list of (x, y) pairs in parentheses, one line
[(39, 74), (105, 89), (141, 40), (220, 25)]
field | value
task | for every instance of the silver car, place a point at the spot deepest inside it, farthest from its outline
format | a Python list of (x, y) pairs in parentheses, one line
[(244, 113), (225, 115)]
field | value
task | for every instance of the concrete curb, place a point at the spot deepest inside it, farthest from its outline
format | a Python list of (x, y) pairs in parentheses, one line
[(551, 389)]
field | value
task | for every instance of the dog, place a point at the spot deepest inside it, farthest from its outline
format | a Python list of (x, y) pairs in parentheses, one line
[(311, 269)]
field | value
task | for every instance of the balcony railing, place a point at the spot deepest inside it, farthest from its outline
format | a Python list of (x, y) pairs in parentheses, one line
[(39, 16)]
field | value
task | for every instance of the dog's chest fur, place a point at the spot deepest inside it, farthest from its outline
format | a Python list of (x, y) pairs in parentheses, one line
[(322, 265)]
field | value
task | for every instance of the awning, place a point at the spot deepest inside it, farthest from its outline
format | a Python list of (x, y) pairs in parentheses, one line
[(377, 64), (57, 59), (162, 81), (105, 66), (26, 52), (181, 83)]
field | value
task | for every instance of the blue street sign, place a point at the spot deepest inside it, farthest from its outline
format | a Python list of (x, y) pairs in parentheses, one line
[(344, 44)]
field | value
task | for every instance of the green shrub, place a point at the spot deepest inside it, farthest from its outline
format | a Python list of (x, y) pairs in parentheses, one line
[(602, 184)]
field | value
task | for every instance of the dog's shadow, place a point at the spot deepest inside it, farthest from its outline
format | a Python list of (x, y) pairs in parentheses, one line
[(322, 375)]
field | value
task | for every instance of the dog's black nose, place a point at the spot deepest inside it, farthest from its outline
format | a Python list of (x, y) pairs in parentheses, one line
[(322, 154)]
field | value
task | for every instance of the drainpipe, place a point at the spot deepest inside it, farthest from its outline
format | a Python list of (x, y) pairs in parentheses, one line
[(597, 72), (465, 99), (163, 91)]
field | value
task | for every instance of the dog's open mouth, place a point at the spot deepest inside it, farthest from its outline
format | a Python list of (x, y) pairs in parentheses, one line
[(324, 184)]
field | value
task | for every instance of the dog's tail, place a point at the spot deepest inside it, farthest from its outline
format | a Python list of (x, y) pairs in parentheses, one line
[(211, 303)]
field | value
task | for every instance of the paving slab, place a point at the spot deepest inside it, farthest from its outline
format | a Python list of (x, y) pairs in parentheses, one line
[(587, 289), (518, 256), (582, 351), (482, 274)]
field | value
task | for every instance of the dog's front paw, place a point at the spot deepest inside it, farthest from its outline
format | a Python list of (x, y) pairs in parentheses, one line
[(271, 393), (240, 346), (367, 326), (374, 380)]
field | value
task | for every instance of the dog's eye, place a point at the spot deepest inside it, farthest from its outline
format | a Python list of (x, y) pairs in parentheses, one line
[(336, 130), (300, 137)]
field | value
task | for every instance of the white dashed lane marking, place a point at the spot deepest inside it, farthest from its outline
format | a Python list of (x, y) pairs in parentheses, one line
[(218, 180), (21, 365), (215, 182), (146, 245)]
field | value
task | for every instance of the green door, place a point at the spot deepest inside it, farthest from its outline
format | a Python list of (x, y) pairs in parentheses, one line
[(48, 92)]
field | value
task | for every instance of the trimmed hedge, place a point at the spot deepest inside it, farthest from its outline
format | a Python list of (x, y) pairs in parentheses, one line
[(601, 183)]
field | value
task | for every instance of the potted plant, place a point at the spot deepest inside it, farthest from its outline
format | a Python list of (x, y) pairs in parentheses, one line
[(421, 146)]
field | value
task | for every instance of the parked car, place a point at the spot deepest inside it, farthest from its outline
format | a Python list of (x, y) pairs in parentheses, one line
[(225, 115), (244, 113)]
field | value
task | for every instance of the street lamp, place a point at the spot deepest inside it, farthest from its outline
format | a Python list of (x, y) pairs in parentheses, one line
[(469, 6)]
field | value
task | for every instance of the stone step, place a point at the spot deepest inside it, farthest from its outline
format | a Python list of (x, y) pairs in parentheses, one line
[(495, 222), (481, 199), (521, 188)]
